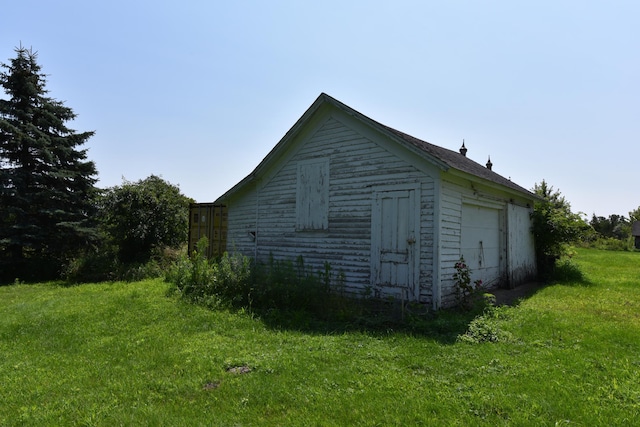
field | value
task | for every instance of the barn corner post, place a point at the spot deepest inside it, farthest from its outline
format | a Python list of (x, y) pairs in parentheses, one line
[(436, 291)]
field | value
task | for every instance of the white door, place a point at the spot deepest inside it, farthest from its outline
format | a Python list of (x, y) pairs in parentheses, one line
[(394, 243), (481, 243)]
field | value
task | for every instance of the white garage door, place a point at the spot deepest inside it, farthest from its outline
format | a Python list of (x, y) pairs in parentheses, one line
[(481, 242)]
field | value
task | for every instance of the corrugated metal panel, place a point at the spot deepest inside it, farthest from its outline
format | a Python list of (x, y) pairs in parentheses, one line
[(208, 220)]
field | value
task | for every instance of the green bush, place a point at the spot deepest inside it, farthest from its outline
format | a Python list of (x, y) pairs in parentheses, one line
[(92, 266), (467, 293), (555, 227), (102, 265), (140, 217), (611, 244), (233, 278), (486, 328)]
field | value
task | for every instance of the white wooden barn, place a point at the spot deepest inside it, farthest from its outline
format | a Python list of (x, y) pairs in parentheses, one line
[(393, 213)]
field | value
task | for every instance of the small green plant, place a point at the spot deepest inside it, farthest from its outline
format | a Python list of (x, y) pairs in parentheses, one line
[(464, 288), (486, 328)]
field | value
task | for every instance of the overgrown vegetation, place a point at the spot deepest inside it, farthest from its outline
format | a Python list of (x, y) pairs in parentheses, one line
[(289, 292), (235, 281), (143, 228), (125, 354), (140, 218), (555, 227), (487, 327), (612, 233), (466, 292)]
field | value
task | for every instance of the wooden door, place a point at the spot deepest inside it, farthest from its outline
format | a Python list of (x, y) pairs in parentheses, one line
[(394, 243)]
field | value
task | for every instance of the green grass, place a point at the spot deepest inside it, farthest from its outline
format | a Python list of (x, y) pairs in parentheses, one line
[(126, 354)]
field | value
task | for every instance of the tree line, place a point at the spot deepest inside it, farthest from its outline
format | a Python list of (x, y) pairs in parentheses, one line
[(54, 221), (556, 228), (615, 226)]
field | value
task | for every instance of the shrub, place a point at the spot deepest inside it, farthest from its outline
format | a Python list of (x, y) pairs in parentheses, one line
[(103, 264), (92, 266), (611, 244), (140, 217), (233, 278), (194, 277), (486, 328), (554, 227), (466, 292)]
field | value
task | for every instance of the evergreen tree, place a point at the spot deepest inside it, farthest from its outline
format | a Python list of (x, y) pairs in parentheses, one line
[(46, 183), (634, 215)]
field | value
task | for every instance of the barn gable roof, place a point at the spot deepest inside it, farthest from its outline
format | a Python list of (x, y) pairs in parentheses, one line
[(442, 157)]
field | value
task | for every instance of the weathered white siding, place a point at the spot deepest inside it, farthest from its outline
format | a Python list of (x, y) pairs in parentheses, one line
[(450, 239), (515, 241), (357, 164), (521, 250), (335, 176), (241, 223), (483, 243)]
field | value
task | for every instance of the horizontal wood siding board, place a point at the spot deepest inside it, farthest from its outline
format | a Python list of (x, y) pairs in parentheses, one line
[(241, 220)]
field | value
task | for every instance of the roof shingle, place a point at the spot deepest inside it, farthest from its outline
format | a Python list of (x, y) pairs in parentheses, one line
[(457, 161)]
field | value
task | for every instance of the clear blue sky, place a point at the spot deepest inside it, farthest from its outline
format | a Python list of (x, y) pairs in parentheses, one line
[(198, 92)]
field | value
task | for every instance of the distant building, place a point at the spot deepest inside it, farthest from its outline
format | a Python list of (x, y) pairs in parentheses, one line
[(635, 232)]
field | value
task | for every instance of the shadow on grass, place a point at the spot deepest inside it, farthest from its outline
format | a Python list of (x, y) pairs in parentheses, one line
[(385, 317), (563, 273), (374, 317), (568, 273)]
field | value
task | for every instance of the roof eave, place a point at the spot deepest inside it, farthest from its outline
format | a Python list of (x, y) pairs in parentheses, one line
[(386, 132), (523, 192)]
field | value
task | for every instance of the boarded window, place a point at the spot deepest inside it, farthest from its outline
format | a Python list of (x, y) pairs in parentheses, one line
[(312, 200)]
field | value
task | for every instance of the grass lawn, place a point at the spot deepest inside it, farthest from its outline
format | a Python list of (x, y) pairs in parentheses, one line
[(126, 354)]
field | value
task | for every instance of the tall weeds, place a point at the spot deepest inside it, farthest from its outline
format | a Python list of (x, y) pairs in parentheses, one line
[(234, 280)]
